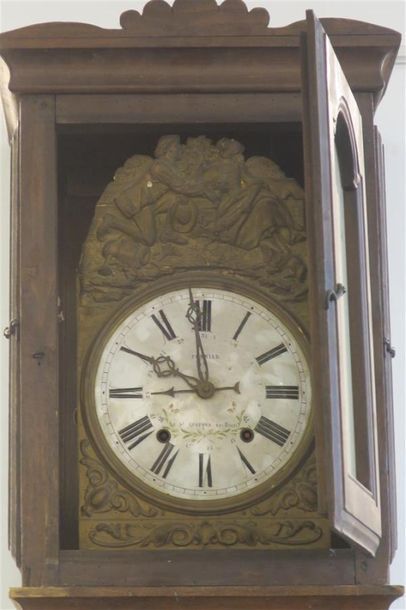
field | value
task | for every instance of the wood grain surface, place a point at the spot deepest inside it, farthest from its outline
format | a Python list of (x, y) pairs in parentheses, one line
[(205, 598)]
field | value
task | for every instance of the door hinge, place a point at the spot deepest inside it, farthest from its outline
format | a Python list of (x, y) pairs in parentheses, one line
[(388, 347), (11, 329)]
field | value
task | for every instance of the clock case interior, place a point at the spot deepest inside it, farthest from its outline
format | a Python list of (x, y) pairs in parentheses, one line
[(88, 160), (83, 144)]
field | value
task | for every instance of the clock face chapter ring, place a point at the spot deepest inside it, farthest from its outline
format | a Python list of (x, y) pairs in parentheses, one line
[(197, 394)]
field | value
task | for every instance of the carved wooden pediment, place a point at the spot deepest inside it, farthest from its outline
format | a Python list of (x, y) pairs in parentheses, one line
[(194, 18), (186, 19), (196, 205)]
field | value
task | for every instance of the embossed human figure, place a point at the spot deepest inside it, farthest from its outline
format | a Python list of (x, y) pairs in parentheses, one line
[(201, 190), (145, 203), (248, 211)]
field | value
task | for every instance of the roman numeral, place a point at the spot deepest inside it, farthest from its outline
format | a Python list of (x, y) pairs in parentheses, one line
[(137, 430), (245, 461), (282, 391), (241, 326), (273, 353), (205, 316), (162, 460), (125, 392), (205, 470), (272, 431), (164, 325)]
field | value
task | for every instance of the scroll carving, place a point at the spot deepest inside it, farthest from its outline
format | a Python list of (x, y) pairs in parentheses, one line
[(205, 533), (256, 527), (103, 493), (300, 494), (196, 206)]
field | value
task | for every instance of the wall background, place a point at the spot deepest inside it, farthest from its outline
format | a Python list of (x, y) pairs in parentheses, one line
[(390, 119)]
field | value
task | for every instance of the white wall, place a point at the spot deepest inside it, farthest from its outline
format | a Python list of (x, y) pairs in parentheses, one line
[(391, 121)]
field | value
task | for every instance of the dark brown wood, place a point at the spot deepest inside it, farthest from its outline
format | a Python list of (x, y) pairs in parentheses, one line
[(205, 598), (375, 189), (176, 108), (170, 70), (387, 444), (68, 235), (157, 71), (319, 227), (38, 441), (203, 567), (158, 51)]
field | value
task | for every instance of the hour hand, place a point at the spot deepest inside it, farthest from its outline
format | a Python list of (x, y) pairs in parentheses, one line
[(163, 366), (134, 353)]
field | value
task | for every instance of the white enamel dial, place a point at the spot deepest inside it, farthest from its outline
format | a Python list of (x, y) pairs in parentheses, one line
[(202, 423)]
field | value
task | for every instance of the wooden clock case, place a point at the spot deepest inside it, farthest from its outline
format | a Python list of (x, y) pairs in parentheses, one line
[(80, 100)]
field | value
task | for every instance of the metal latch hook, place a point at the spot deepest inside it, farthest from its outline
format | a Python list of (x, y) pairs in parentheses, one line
[(334, 294)]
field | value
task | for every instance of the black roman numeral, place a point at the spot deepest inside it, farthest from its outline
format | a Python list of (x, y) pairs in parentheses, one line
[(162, 460), (273, 353), (205, 471), (282, 391), (241, 326), (164, 325), (205, 316), (137, 430), (272, 431), (125, 392), (245, 461)]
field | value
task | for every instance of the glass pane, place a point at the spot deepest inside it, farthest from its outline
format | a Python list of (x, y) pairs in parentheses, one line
[(353, 312), (343, 323)]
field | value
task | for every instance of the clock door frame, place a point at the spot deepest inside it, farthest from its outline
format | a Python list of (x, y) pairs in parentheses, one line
[(347, 438), (45, 107)]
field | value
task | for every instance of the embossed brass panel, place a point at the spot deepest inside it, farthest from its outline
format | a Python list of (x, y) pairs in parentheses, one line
[(198, 213)]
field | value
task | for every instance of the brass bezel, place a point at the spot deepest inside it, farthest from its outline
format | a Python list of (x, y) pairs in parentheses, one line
[(109, 458)]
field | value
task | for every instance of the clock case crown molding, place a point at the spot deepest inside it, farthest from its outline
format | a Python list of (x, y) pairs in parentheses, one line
[(148, 54), (64, 76)]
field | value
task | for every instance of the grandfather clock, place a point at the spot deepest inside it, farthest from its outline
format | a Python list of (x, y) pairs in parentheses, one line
[(201, 383)]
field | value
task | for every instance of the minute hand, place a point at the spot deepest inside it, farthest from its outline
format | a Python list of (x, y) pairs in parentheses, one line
[(172, 391), (194, 316)]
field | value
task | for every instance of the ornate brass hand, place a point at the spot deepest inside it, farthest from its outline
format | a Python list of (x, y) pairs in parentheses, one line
[(194, 315), (172, 391), (164, 366)]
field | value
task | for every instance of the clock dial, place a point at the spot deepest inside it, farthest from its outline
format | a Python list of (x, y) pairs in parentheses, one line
[(201, 394)]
